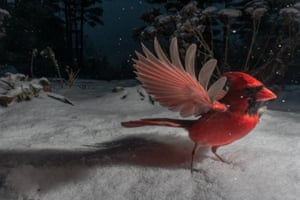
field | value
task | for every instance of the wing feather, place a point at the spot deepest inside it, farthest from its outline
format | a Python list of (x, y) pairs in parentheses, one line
[(174, 54), (148, 54), (160, 53), (171, 85), (216, 88), (206, 72), (190, 60)]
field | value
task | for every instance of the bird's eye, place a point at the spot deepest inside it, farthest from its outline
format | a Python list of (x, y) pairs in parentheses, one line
[(251, 91)]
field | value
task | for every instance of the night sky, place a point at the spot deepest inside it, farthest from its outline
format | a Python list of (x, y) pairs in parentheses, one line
[(114, 38)]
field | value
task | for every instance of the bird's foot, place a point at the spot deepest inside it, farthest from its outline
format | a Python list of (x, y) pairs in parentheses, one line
[(214, 150), (219, 157), (194, 170)]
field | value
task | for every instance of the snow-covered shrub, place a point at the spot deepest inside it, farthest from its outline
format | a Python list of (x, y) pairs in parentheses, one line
[(17, 87), (261, 37)]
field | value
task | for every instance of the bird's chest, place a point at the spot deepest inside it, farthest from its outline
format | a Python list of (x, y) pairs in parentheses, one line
[(217, 129)]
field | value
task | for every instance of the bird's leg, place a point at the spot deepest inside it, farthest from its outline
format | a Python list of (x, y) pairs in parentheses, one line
[(214, 150), (195, 149)]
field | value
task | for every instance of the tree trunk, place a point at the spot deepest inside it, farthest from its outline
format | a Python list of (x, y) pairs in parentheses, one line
[(74, 31), (81, 34), (68, 31)]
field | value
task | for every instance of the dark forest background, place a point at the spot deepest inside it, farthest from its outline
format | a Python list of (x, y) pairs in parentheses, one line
[(40, 34), (35, 25)]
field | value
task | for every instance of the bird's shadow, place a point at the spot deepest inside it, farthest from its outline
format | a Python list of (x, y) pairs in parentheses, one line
[(60, 166), (146, 150)]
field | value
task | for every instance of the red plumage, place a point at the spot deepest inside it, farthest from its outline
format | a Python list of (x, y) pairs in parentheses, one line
[(227, 111)]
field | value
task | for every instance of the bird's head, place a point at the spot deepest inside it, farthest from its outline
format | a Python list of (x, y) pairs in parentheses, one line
[(245, 92)]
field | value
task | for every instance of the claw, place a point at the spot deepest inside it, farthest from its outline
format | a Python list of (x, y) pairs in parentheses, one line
[(214, 150)]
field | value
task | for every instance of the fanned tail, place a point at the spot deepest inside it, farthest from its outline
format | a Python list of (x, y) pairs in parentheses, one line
[(159, 122)]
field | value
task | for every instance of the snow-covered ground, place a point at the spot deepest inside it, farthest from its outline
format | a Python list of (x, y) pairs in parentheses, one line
[(51, 150)]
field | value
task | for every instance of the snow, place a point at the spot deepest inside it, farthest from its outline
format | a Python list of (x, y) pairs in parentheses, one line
[(258, 12), (289, 11), (231, 13), (51, 150), (209, 10), (4, 12), (297, 5)]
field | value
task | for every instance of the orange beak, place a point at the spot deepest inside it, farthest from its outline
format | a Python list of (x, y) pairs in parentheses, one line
[(265, 95)]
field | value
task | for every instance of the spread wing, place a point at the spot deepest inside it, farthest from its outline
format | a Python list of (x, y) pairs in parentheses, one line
[(175, 86)]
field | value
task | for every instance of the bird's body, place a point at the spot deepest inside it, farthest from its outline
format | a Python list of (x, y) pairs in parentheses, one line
[(219, 129), (223, 115)]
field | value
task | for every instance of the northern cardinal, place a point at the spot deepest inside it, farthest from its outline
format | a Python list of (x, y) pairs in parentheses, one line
[(225, 112)]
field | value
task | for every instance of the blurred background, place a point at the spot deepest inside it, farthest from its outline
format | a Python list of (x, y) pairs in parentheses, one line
[(96, 39)]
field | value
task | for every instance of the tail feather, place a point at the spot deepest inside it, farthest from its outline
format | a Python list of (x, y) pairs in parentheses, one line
[(159, 122)]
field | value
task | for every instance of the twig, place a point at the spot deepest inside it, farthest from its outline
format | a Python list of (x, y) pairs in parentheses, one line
[(225, 64), (49, 53), (33, 55), (59, 98), (254, 34), (72, 76)]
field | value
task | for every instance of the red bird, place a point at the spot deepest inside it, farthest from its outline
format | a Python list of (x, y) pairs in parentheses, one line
[(223, 115)]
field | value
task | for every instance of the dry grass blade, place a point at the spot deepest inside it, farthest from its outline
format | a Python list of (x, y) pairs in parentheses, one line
[(72, 76), (216, 88), (206, 72), (174, 54)]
